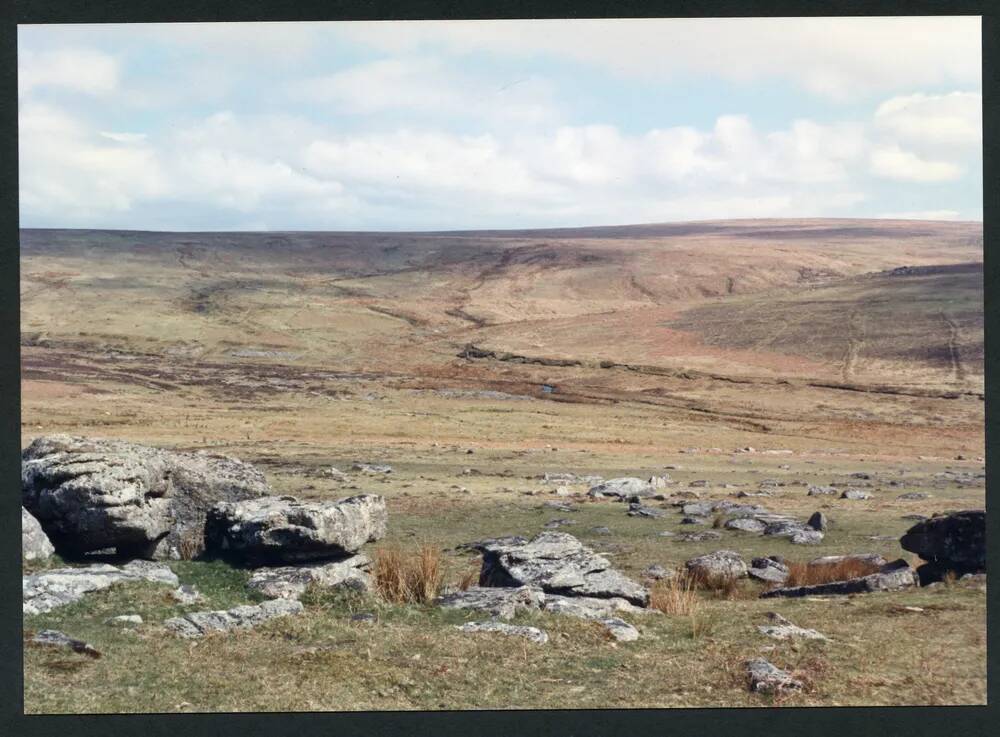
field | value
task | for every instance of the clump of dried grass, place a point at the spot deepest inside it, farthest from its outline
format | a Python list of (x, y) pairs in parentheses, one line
[(810, 574), (408, 577), (675, 595)]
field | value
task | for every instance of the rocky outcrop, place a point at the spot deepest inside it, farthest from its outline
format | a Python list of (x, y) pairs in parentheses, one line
[(891, 577), (949, 543), (47, 590), (35, 544), (781, 629), (198, 624), (557, 563), (290, 582), (285, 529), (145, 502), (718, 565)]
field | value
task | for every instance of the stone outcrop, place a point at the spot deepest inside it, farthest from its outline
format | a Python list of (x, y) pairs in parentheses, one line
[(290, 582), (198, 624), (285, 529), (621, 489), (781, 629), (954, 542), (47, 590), (502, 603), (144, 502), (35, 544)]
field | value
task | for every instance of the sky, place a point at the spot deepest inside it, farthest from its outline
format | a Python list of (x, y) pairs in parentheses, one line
[(438, 125)]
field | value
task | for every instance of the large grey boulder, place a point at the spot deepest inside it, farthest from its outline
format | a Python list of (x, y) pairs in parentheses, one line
[(557, 563), (143, 501), (198, 624), (717, 565), (35, 544), (954, 542), (621, 488), (46, 590), (290, 582), (286, 529)]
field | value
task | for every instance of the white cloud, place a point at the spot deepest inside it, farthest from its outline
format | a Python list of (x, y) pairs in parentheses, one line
[(81, 70), (124, 137), (892, 162), (840, 58), (954, 119)]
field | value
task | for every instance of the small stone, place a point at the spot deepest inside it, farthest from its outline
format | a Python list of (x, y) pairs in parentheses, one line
[(620, 630), (855, 494), (767, 678), (55, 638), (533, 634), (124, 620)]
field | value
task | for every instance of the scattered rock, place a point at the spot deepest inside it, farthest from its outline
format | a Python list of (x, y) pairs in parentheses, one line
[(746, 524), (693, 521), (601, 530), (283, 528), (187, 594), (855, 494), (589, 607), (621, 488), (55, 638), (47, 590), (821, 491), (781, 629), (807, 537), (35, 544), (372, 468), (720, 564), (769, 574), (697, 537), (657, 572), (558, 563), (197, 624), (620, 630), (124, 620), (144, 502), (914, 495), (818, 521), (363, 617), (554, 523), (531, 633), (766, 678), (638, 510), (503, 603), (290, 582)]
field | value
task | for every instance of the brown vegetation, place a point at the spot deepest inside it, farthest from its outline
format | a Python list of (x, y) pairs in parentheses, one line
[(408, 577), (810, 574)]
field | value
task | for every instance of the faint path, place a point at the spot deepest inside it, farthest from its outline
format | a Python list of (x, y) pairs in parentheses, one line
[(957, 367), (855, 343)]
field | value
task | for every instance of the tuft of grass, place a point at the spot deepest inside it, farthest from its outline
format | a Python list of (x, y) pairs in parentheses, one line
[(407, 577), (808, 574), (676, 595), (470, 577)]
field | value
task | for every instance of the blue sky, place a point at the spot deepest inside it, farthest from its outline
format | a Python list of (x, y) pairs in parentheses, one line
[(497, 124)]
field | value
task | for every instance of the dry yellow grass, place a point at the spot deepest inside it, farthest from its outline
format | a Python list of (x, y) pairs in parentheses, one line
[(807, 574), (676, 595), (404, 577)]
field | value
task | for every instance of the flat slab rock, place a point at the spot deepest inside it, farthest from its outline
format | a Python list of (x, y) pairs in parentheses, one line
[(764, 677), (198, 624), (557, 563), (892, 577), (286, 529), (502, 603), (539, 637), (47, 590), (55, 638), (290, 582), (35, 544), (145, 502), (781, 629)]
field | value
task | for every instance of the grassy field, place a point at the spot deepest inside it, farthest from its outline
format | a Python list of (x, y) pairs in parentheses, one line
[(299, 352)]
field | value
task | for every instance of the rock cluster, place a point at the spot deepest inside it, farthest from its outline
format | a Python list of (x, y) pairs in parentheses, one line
[(197, 624), (46, 590), (144, 502)]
